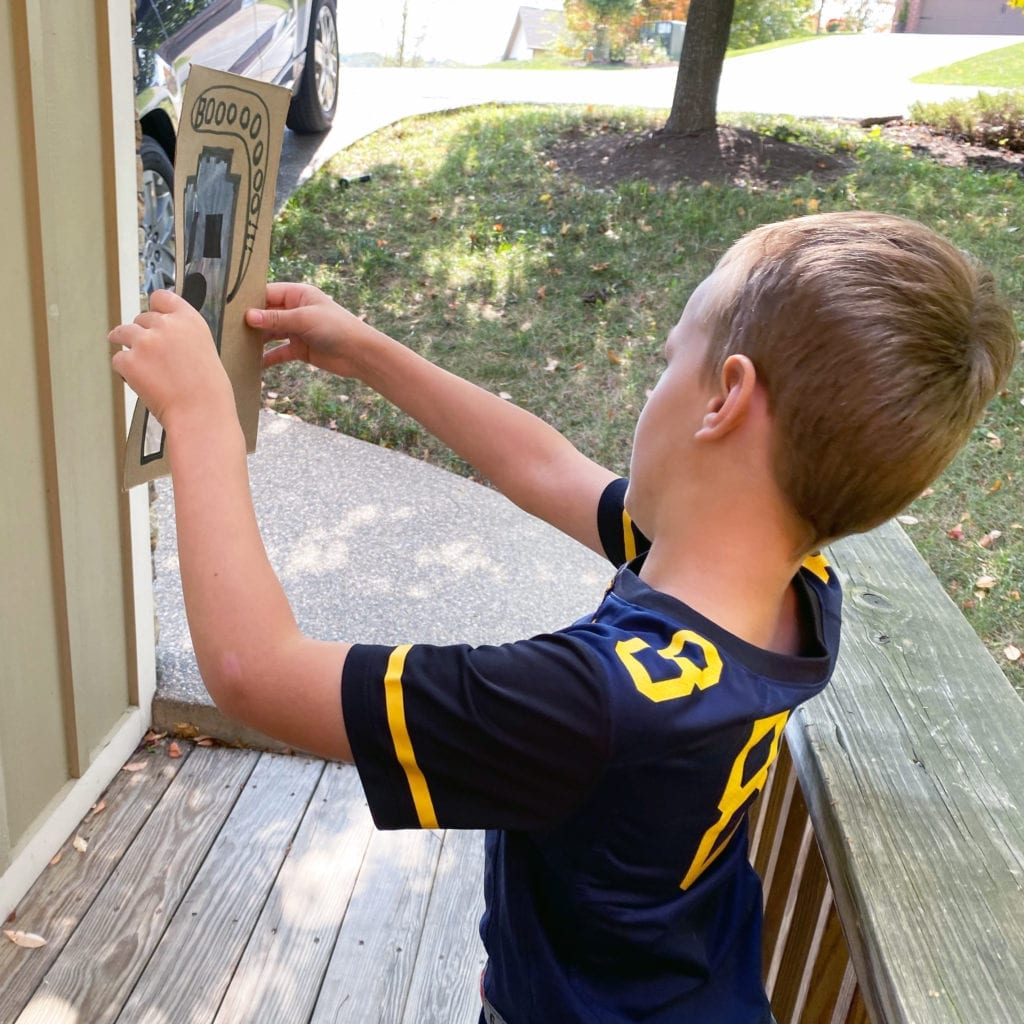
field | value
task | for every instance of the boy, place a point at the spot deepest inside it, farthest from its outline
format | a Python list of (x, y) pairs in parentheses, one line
[(822, 375)]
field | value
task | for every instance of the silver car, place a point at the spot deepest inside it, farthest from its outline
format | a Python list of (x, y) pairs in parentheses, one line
[(293, 43)]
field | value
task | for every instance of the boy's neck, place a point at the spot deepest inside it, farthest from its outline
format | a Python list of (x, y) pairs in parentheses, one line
[(745, 586)]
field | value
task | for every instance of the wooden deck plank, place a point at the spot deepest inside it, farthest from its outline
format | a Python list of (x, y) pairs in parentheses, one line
[(100, 963), (445, 985), (368, 978), (191, 968), (911, 765), (280, 974), (55, 905)]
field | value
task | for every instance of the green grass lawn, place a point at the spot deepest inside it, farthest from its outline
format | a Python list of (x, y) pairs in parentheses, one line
[(1002, 68), (470, 245)]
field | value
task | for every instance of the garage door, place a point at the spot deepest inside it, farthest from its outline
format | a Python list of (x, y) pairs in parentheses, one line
[(970, 17)]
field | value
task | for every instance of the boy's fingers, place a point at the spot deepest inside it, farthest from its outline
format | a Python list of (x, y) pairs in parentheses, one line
[(280, 354), (274, 323), (277, 292), (163, 301), (123, 335)]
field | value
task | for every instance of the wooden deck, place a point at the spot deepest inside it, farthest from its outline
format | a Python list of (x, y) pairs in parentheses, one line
[(236, 886)]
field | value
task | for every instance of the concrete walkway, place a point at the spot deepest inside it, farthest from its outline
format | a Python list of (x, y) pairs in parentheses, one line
[(376, 547)]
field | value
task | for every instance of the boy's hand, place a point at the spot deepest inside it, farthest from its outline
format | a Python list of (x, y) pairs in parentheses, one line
[(170, 361), (315, 329)]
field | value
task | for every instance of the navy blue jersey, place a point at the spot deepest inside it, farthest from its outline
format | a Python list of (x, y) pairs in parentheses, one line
[(614, 763)]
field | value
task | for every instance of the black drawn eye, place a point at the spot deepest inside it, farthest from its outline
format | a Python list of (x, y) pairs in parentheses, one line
[(212, 236), (194, 290)]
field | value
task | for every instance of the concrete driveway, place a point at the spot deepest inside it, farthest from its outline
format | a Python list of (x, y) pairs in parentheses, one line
[(833, 76)]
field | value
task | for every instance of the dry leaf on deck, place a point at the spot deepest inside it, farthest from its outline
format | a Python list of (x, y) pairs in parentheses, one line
[(135, 766), (80, 844), (100, 805), (26, 939), (173, 750)]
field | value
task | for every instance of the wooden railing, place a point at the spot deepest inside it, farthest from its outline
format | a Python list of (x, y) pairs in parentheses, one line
[(890, 836), (807, 969)]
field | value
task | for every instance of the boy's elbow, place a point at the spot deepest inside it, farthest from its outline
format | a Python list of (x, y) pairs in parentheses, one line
[(225, 678)]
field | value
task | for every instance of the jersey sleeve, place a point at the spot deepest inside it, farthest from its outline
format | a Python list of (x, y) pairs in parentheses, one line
[(510, 736), (620, 538)]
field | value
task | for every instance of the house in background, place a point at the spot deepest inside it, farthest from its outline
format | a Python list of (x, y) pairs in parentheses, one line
[(535, 31), (954, 17)]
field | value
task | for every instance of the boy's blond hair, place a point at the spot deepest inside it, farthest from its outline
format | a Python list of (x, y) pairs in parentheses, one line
[(879, 345)]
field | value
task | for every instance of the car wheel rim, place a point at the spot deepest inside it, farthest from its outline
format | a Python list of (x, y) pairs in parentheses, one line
[(156, 229), (325, 56)]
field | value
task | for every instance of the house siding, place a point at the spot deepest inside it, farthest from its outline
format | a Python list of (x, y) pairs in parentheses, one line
[(77, 672), (966, 17)]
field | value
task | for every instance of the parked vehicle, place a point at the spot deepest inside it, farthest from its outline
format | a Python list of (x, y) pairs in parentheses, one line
[(293, 43)]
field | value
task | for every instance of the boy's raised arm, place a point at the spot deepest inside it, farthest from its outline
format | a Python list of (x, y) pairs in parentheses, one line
[(255, 662), (529, 461)]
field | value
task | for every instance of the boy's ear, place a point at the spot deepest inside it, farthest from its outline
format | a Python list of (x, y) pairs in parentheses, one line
[(730, 406)]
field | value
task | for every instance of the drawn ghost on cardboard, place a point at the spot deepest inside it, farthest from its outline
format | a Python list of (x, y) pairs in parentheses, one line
[(228, 150)]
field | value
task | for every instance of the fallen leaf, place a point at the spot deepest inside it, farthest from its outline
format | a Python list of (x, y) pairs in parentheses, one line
[(135, 766), (927, 492), (154, 737), (100, 805), (957, 533), (204, 741), (188, 731), (598, 267), (542, 291), (505, 395), (173, 750), (1012, 653), (80, 844), (614, 357), (994, 441), (985, 582), (25, 939), (551, 365), (990, 538), (55, 859), (908, 520), (995, 486)]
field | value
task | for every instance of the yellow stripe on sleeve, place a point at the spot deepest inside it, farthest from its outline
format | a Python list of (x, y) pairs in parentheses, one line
[(394, 703), (818, 564), (628, 537)]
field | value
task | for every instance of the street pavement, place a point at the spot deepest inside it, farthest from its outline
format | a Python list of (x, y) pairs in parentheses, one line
[(845, 76), (374, 546)]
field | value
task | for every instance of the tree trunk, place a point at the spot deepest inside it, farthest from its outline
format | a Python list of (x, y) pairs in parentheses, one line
[(695, 102)]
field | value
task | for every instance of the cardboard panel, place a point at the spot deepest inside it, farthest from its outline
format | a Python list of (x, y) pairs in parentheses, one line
[(229, 147)]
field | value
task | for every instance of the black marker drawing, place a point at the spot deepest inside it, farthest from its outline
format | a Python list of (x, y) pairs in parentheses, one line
[(227, 157)]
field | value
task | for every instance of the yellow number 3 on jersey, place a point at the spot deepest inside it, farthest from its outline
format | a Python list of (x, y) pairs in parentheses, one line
[(690, 675)]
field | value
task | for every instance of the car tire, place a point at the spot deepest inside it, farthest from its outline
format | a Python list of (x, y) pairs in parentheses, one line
[(312, 108), (156, 222)]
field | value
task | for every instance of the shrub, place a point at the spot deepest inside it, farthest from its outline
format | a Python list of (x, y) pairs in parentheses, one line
[(989, 119)]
